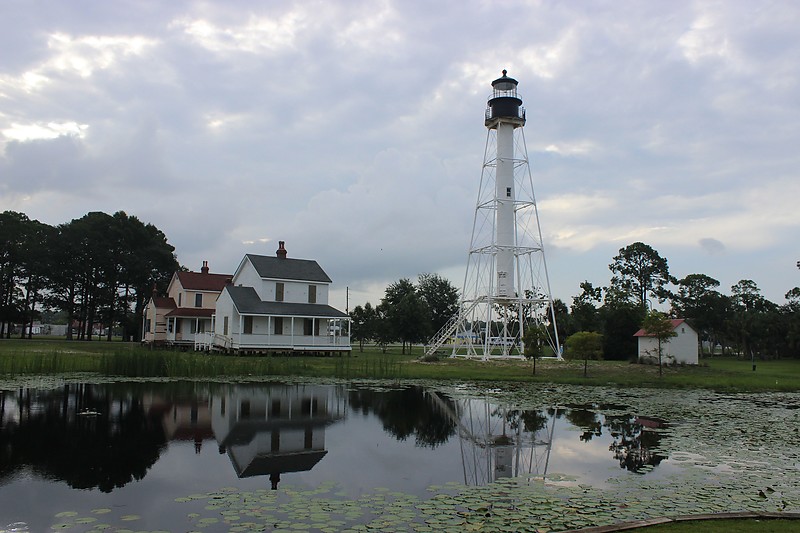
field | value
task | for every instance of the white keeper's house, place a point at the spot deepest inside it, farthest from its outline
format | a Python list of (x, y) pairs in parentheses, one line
[(277, 304)]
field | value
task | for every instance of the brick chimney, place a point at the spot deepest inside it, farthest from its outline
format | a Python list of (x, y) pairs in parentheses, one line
[(204, 270), (281, 251)]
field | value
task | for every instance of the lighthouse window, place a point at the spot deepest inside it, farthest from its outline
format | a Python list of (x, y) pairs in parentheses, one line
[(508, 192)]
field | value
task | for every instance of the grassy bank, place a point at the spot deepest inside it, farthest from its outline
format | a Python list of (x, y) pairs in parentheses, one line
[(726, 526), (127, 359)]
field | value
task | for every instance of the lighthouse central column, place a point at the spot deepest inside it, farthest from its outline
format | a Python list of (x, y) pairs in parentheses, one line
[(504, 222)]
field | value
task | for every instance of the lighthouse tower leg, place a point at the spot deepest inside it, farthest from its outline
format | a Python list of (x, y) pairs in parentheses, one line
[(506, 285)]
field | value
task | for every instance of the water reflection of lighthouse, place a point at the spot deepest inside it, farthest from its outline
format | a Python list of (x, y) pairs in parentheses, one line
[(497, 442)]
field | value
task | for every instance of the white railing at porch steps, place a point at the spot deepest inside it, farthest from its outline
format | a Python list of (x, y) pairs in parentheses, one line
[(206, 341), (448, 329)]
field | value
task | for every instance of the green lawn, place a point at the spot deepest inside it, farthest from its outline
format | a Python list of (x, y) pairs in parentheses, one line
[(47, 356)]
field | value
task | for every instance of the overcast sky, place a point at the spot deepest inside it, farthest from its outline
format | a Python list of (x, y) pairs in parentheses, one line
[(353, 130)]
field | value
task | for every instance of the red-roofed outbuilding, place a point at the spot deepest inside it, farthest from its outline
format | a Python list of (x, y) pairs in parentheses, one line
[(681, 349)]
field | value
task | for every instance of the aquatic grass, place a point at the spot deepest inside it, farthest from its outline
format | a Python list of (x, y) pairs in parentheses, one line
[(380, 367), (132, 360), (175, 364), (53, 362)]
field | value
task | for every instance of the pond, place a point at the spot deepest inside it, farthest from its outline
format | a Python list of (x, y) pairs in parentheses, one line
[(89, 455)]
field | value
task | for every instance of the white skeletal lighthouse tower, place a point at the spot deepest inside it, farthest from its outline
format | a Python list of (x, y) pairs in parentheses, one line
[(506, 286)]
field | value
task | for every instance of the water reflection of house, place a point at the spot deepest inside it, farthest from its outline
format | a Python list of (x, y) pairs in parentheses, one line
[(277, 429), (183, 420)]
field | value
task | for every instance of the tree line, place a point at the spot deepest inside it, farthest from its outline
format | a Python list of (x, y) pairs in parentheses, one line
[(98, 271), (741, 322), (408, 313)]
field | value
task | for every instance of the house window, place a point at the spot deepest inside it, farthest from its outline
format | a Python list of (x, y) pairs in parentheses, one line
[(147, 326), (308, 326), (169, 324), (279, 292), (248, 325), (225, 326), (305, 407), (312, 294), (508, 192), (201, 326), (198, 300), (178, 325), (278, 321), (192, 326), (180, 297), (275, 441)]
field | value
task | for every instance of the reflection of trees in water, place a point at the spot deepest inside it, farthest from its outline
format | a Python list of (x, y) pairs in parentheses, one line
[(407, 412), (81, 434), (533, 420), (586, 420), (633, 438), (634, 441), (528, 420)]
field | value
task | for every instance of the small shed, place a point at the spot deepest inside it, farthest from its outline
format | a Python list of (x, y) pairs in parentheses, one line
[(681, 349)]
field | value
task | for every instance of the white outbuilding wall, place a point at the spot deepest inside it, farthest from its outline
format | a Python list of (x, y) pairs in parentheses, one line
[(682, 349)]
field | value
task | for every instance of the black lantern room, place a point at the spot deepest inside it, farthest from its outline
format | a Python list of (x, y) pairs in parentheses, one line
[(504, 102)]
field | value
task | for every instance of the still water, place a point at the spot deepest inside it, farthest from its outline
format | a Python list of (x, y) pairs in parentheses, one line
[(132, 449)]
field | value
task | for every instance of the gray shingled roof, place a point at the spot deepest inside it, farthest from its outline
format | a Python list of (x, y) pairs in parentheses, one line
[(247, 302), (273, 267)]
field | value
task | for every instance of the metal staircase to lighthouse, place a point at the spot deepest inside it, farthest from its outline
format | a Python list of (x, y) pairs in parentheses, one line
[(449, 329)]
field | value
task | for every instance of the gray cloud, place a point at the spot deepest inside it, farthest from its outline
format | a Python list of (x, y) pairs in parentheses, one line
[(354, 130), (711, 246)]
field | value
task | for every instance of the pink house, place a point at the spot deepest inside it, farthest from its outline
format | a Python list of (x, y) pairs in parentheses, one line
[(187, 309)]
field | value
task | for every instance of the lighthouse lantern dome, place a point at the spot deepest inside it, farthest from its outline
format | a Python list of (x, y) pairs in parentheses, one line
[(504, 103)]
